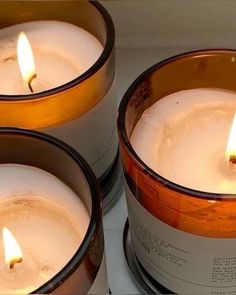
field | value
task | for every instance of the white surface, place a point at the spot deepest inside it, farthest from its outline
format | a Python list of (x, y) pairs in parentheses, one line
[(130, 64), (168, 23)]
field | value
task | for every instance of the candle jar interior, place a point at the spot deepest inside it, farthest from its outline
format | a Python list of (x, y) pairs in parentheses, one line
[(37, 150), (195, 212), (54, 108), (30, 151)]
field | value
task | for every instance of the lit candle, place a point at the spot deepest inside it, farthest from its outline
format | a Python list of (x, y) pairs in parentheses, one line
[(183, 137), (40, 225), (67, 88), (176, 128), (188, 138), (26, 60), (231, 146), (13, 254), (61, 52)]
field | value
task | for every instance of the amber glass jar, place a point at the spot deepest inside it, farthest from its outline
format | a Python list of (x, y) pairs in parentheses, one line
[(174, 228), (86, 270), (79, 110)]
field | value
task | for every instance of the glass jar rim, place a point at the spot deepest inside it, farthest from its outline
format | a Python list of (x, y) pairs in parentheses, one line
[(125, 139)]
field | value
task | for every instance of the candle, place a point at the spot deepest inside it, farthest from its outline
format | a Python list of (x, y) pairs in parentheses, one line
[(176, 123), (61, 52), (50, 209), (40, 211), (69, 91), (184, 136)]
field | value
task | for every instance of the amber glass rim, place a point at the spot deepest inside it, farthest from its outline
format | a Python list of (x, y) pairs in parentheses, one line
[(110, 41), (95, 217), (125, 139)]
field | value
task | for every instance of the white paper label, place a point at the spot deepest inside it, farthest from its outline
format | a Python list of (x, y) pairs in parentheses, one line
[(93, 134), (181, 262), (100, 285)]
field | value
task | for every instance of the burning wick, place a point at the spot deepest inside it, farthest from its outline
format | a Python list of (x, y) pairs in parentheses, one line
[(30, 81), (14, 261), (231, 146), (13, 254), (232, 159), (26, 60)]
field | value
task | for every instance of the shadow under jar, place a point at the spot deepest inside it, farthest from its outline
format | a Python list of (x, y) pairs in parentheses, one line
[(73, 87), (51, 204), (173, 126)]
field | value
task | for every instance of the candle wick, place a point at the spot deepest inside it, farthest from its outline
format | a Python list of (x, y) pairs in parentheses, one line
[(232, 159), (14, 261), (30, 82)]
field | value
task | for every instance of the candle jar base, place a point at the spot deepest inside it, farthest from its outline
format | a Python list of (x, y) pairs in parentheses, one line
[(142, 279), (111, 185)]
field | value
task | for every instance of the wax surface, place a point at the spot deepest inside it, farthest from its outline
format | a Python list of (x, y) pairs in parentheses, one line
[(46, 217), (183, 138), (62, 52)]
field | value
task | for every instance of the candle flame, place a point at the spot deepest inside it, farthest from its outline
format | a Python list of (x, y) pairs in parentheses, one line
[(13, 252), (231, 146), (25, 58)]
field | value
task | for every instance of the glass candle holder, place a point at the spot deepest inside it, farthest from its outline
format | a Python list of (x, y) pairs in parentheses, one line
[(79, 110), (36, 166), (183, 239)]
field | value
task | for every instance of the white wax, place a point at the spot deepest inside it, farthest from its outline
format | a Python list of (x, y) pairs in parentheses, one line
[(47, 219), (183, 137), (62, 52)]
